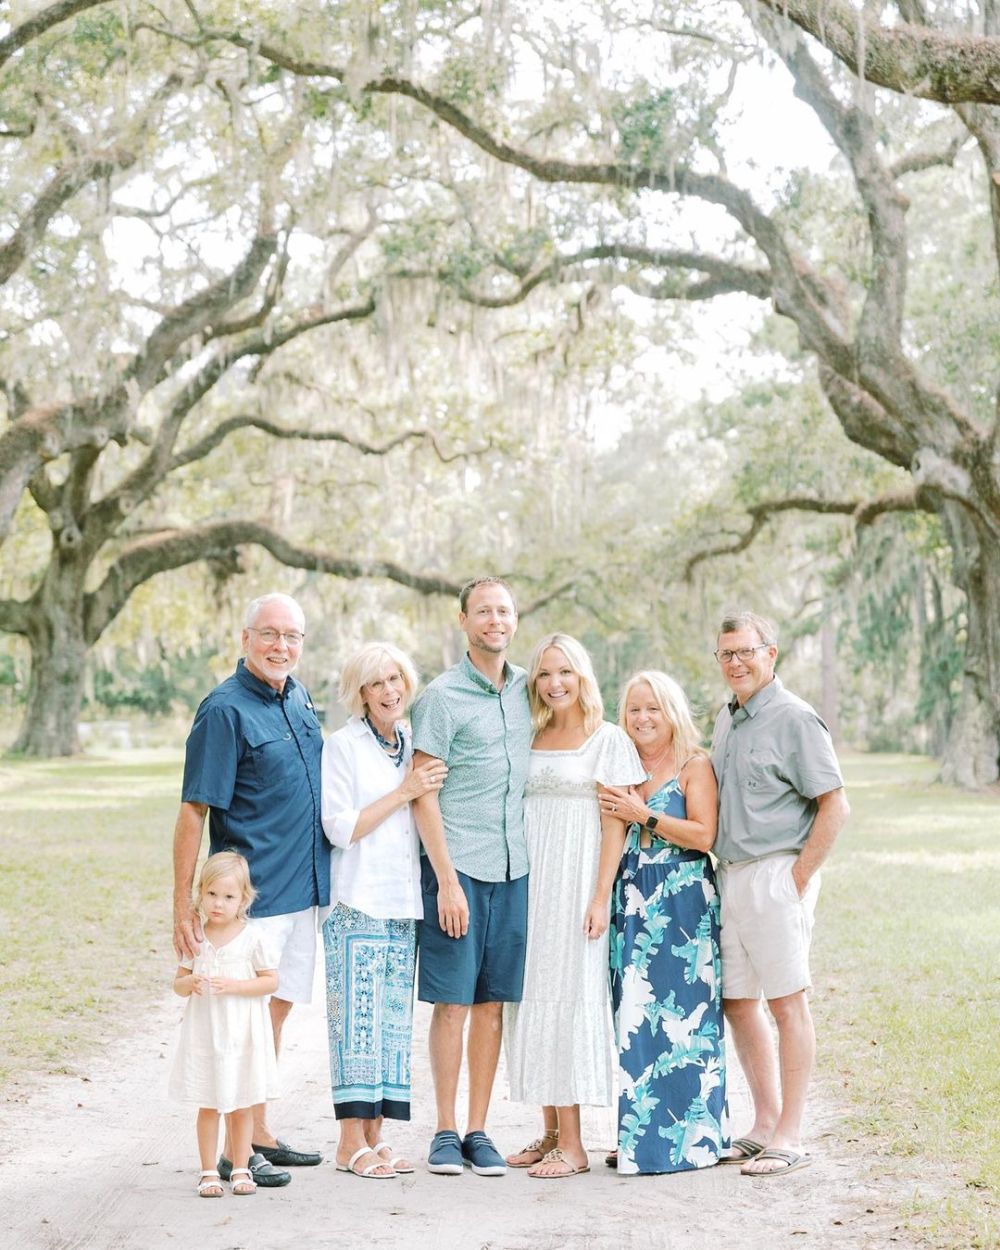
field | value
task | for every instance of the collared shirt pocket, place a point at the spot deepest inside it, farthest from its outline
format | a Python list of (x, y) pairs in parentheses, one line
[(268, 747)]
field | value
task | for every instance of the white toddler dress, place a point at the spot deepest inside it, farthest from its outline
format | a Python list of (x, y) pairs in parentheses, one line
[(225, 1053)]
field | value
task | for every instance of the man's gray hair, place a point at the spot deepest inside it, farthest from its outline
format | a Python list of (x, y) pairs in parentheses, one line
[(745, 619), (275, 596)]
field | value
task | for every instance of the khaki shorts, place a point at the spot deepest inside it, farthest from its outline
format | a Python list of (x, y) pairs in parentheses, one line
[(766, 928), (293, 938)]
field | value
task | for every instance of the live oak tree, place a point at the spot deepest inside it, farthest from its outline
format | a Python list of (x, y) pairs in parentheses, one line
[(613, 132), (216, 261), (651, 131), (127, 358)]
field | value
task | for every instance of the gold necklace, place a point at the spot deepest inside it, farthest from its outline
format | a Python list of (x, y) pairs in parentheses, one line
[(653, 764)]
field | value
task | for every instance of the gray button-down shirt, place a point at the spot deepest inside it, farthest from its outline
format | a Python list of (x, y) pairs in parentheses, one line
[(484, 736), (771, 758)]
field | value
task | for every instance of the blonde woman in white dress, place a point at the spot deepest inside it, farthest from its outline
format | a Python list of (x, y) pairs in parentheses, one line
[(558, 1038)]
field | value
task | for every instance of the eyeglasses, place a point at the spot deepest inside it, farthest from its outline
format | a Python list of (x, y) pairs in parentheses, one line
[(744, 654), (270, 636)]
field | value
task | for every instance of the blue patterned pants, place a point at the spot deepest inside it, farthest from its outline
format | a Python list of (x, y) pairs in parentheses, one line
[(369, 1005)]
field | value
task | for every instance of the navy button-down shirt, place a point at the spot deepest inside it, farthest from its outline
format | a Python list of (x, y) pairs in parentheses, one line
[(253, 757)]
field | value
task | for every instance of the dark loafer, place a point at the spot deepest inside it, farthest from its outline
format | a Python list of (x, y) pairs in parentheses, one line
[(285, 1157), (266, 1175)]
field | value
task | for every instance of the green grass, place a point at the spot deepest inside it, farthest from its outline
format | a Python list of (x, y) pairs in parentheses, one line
[(84, 903), (906, 1002), (905, 959)]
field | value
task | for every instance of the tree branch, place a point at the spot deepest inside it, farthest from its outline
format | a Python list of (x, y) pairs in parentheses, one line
[(42, 21), (549, 596), (74, 175), (864, 512), (171, 549), (928, 158), (63, 185), (103, 516), (913, 60), (198, 451), (199, 311), (724, 276)]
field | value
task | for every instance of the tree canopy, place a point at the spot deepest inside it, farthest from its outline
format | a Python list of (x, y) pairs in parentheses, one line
[(369, 231)]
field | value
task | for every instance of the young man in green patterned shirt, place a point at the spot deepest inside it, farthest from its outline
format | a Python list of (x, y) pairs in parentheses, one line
[(474, 717)]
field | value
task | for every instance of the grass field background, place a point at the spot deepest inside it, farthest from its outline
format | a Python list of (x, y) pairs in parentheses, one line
[(906, 986), (905, 967)]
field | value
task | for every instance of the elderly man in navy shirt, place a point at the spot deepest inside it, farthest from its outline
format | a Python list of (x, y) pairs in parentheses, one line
[(253, 765)]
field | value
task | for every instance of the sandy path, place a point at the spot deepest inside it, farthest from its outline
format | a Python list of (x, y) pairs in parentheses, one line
[(100, 1159)]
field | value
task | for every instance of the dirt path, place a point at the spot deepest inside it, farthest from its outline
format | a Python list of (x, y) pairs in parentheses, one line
[(102, 1160)]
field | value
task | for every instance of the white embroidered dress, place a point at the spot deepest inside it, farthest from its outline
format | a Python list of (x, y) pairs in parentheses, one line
[(558, 1039), (225, 1054)]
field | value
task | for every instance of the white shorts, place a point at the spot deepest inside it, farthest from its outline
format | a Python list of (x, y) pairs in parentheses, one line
[(293, 938), (766, 928)]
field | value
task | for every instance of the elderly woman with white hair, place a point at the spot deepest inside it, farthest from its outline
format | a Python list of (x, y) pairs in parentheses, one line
[(369, 938)]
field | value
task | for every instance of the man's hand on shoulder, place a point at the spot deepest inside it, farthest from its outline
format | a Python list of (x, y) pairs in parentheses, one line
[(188, 934)]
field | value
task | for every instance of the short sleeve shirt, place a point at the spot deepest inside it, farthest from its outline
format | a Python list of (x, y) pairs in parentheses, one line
[(772, 759), (484, 736), (253, 758)]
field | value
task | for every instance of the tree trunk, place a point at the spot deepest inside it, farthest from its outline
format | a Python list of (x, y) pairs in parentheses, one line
[(829, 697), (58, 655), (972, 754)]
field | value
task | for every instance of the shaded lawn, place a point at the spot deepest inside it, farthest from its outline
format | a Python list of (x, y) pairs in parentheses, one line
[(906, 994), (905, 956), (85, 895)]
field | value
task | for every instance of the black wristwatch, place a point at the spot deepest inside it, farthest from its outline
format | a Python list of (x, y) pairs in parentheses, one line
[(651, 823)]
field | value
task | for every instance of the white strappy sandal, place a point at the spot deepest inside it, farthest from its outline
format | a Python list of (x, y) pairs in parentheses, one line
[(246, 1179), (209, 1182), (393, 1161), (370, 1173)]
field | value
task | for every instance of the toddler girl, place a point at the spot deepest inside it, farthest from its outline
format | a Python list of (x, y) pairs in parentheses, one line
[(225, 1059)]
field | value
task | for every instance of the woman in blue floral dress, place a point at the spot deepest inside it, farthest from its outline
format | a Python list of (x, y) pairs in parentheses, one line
[(665, 971)]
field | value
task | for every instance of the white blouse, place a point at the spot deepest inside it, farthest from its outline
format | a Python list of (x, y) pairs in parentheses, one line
[(379, 874)]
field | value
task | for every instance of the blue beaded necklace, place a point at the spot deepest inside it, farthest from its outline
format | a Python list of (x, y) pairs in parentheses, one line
[(394, 750)]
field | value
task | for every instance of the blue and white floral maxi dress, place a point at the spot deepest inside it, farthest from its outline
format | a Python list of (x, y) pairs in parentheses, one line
[(667, 1000)]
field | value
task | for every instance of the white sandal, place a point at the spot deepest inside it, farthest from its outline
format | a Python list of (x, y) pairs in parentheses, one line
[(207, 1182), (233, 1182), (393, 1162), (368, 1173)]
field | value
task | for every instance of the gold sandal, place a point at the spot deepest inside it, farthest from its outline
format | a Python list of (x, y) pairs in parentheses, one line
[(557, 1156), (536, 1147)]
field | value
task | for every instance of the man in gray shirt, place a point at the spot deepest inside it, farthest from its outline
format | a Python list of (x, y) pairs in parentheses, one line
[(781, 806), (475, 717)]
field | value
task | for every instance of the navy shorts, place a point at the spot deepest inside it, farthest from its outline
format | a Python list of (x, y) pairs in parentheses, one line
[(487, 964)]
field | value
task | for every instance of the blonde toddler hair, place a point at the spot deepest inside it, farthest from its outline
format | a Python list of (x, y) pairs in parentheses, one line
[(226, 864)]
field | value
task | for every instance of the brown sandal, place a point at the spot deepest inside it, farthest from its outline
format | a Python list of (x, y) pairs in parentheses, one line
[(536, 1147)]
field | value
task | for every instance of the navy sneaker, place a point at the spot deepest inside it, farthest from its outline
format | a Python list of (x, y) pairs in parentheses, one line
[(445, 1154), (482, 1156)]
